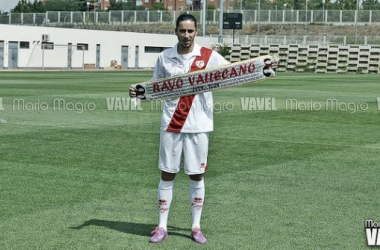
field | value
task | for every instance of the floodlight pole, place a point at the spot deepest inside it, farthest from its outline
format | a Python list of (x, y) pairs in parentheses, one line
[(220, 38), (356, 21), (306, 18), (204, 18), (291, 23), (323, 10), (258, 18), (306, 11)]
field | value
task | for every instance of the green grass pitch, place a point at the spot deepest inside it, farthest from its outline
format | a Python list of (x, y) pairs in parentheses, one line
[(292, 177)]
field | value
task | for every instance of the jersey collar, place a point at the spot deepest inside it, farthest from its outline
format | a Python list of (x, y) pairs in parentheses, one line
[(196, 51)]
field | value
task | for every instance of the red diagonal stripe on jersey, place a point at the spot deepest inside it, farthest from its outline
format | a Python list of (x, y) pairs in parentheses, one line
[(185, 102)]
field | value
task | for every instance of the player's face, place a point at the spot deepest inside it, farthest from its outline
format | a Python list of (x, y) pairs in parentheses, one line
[(186, 33)]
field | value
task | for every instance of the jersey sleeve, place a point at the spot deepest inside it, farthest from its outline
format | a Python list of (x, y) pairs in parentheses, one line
[(159, 70), (216, 60)]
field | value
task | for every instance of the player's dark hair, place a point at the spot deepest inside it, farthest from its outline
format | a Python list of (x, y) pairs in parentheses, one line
[(185, 17)]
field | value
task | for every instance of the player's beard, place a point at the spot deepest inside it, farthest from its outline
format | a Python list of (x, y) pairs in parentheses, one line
[(186, 43)]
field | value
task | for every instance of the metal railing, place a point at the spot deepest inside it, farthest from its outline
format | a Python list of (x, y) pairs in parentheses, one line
[(296, 39), (212, 16)]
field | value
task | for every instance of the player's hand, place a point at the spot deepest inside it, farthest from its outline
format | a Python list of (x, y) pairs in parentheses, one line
[(132, 91), (274, 63)]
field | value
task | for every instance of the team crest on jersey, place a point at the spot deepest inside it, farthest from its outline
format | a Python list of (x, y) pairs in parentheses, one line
[(200, 63)]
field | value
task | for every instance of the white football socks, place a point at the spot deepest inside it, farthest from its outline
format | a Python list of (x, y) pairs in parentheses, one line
[(165, 195), (197, 195)]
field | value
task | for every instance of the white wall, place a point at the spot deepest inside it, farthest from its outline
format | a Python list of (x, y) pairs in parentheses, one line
[(110, 41)]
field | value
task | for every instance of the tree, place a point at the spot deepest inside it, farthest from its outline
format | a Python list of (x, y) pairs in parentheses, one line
[(158, 6), (371, 5), (38, 7), (267, 4), (211, 6), (250, 4), (115, 5), (51, 5), (297, 4), (121, 5), (23, 6), (346, 4), (62, 5)]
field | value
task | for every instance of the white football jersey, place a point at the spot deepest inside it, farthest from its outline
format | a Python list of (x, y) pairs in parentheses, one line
[(192, 114)]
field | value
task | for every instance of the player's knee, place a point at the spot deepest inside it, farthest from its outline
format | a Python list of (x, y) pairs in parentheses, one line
[(165, 176), (196, 177)]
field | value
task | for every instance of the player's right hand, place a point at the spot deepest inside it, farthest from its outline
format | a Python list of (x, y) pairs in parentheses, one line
[(275, 63), (132, 91)]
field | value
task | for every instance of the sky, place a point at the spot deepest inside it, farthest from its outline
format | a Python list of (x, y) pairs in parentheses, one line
[(7, 5)]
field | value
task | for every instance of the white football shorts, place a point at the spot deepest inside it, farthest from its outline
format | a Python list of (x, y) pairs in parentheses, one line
[(194, 147)]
